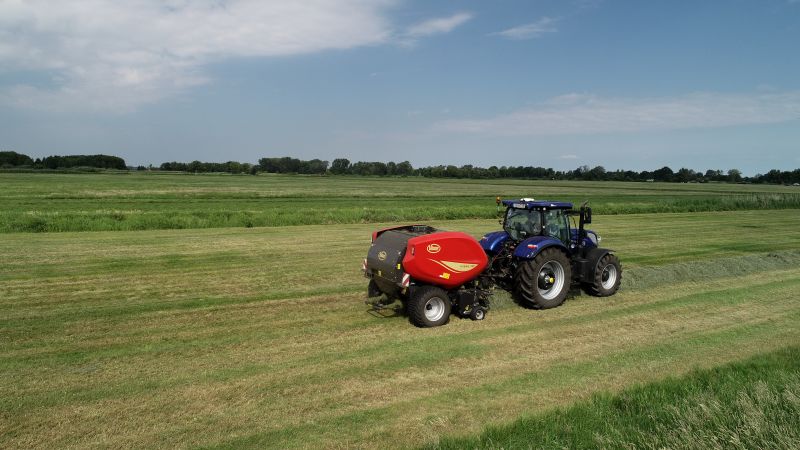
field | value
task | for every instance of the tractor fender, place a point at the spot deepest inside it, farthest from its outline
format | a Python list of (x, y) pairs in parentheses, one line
[(529, 248), (493, 242), (589, 264)]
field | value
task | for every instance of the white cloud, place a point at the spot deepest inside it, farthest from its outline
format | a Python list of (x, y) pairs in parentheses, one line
[(570, 156), (585, 114), (116, 55), (441, 25), (530, 30)]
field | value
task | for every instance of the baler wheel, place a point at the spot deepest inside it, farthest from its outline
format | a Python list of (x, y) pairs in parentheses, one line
[(544, 281), (429, 307), (607, 277)]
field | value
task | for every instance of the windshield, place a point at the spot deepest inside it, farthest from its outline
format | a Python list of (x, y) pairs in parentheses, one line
[(522, 223)]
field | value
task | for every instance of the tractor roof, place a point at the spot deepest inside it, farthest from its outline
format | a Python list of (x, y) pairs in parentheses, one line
[(536, 204)]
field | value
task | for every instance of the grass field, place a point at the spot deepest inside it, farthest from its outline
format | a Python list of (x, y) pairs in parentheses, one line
[(722, 407), (258, 337), (142, 201)]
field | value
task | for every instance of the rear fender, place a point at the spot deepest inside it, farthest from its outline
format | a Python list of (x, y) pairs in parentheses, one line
[(529, 248)]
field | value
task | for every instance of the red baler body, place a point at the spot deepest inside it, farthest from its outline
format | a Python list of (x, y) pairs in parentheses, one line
[(447, 259)]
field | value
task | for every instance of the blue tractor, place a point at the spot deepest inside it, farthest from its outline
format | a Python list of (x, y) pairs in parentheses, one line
[(541, 252)]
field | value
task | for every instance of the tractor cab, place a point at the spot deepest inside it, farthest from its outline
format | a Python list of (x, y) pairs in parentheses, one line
[(527, 218), (557, 221)]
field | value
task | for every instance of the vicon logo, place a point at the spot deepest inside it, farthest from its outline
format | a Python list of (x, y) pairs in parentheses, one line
[(434, 248)]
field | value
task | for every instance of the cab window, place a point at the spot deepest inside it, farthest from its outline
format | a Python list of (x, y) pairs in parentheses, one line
[(556, 224), (522, 223)]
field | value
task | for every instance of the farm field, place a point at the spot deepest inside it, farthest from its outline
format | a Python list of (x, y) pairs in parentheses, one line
[(242, 337), (145, 201)]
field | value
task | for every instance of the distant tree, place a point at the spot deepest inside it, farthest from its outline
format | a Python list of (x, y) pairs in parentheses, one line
[(734, 176), (714, 175), (340, 166), (98, 161), (597, 173), (404, 168), (14, 159), (663, 174), (315, 166), (684, 175)]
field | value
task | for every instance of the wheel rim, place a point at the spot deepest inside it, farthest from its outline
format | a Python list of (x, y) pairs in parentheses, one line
[(551, 280), (434, 309), (479, 314), (609, 277)]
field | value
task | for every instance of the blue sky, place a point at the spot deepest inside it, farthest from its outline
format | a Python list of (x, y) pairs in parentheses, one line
[(623, 84)]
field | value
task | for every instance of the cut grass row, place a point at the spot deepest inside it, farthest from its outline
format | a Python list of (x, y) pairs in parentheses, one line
[(744, 405), (259, 337), (102, 202)]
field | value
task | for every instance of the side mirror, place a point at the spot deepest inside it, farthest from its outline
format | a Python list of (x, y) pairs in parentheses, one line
[(587, 218)]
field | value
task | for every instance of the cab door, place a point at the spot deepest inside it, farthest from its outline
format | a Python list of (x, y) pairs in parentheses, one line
[(556, 224)]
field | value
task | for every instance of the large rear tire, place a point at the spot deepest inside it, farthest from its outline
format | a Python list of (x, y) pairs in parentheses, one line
[(544, 281), (429, 307), (607, 277)]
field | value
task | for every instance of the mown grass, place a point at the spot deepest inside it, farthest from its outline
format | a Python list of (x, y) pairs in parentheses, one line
[(744, 405), (254, 338), (141, 201)]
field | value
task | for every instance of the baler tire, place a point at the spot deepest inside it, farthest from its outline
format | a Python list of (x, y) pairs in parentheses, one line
[(478, 313), (373, 290), (526, 281), (429, 307), (609, 286)]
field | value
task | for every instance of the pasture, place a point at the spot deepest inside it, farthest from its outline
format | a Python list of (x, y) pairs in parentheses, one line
[(221, 336), (150, 201)]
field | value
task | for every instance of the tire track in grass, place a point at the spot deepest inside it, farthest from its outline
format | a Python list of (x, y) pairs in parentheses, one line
[(460, 366)]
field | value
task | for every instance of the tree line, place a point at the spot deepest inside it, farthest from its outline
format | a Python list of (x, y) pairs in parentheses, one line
[(343, 166), (10, 159)]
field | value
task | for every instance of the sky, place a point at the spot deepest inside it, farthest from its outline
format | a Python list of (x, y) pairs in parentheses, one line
[(623, 84)]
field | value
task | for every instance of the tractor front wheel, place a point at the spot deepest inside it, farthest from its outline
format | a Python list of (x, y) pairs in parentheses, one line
[(607, 277), (544, 281), (429, 307)]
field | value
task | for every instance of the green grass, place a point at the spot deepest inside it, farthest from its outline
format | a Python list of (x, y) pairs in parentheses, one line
[(745, 405), (254, 338), (145, 201)]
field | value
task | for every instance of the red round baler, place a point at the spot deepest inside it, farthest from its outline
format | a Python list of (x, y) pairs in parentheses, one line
[(429, 269)]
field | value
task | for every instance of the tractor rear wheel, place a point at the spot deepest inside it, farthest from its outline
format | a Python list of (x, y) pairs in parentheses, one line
[(429, 307), (544, 281), (607, 277)]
